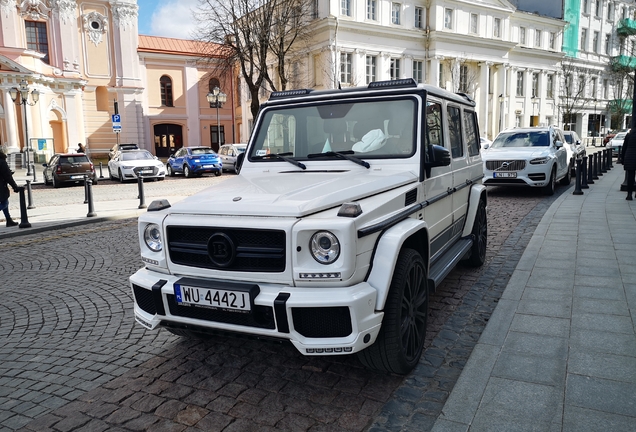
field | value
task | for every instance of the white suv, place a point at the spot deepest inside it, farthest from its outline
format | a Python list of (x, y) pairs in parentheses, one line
[(532, 156), (351, 205)]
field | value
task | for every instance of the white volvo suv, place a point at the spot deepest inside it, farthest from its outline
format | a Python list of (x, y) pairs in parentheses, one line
[(351, 205)]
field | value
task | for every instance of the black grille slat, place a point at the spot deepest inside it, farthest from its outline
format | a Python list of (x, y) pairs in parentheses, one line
[(410, 197), (322, 322), (259, 317), (144, 299), (256, 250)]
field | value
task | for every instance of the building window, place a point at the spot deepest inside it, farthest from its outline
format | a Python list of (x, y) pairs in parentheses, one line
[(595, 42), (345, 68), (37, 38), (395, 13), (597, 10), (605, 88), (215, 136), (419, 17), (535, 84), (371, 65), (608, 39), (371, 10), (418, 71), (496, 28), (624, 13), (537, 38), (474, 23), (552, 40), (586, 6), (610, 12), (550, 87), (448, 19), (519, 83), (166, 91), (345, 7), (582, 85), (395, 69), (522, 35), (463, 79), (583, 39)]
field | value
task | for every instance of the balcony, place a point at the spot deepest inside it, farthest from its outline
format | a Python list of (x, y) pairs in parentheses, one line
[(626, 27), (623, 63)]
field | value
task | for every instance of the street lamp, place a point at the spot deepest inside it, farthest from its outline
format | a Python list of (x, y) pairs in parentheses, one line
[(23, 100), (501, 111), (217, 97)]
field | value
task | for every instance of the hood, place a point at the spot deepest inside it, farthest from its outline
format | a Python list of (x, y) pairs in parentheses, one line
[(291, 194), (510, 153)]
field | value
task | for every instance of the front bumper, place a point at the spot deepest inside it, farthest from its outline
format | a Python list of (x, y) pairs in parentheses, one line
[(533, 176), (317, 321)]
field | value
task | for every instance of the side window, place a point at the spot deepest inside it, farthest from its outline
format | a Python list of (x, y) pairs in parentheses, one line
[(455, 132), (433, 124), (165, 84), (472, 138)]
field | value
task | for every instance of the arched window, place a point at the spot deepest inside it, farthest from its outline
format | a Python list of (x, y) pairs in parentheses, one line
[(213, 83), (166, 91)]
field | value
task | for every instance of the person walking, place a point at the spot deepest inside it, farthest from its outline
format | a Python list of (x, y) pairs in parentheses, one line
[(81, 148), (6, 179), (628, 157)]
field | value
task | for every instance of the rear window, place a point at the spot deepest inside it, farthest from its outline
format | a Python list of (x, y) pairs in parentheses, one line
[(74, 159), (200, 151)]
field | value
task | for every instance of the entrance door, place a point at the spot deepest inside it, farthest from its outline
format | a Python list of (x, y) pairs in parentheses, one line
[(168, 139)]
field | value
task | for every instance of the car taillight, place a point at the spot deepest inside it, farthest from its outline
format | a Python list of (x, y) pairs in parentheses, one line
[(58, 170), (92, 167)]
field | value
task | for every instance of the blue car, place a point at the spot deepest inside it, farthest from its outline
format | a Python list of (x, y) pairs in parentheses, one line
[(193, 161)]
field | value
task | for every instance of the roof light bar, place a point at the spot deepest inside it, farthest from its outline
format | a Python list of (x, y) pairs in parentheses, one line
[(407, 82), (289, 93)]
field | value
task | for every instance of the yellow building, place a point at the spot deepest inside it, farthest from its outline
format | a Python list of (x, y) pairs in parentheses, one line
[(71, 66)]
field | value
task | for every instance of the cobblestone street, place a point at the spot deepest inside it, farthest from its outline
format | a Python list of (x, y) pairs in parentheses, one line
[(72, 357)]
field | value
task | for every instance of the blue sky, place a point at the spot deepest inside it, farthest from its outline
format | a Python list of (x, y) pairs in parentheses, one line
[(169, 18)]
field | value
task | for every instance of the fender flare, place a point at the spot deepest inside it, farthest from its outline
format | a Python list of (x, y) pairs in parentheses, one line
[(385, 256), (476, 193)]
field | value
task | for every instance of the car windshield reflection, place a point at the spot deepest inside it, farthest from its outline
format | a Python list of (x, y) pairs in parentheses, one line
[(136, 156), (522, 139)]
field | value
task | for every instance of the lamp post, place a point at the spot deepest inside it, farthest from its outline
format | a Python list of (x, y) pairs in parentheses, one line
[(217, 97), (23, 99), (501, 111), (594, 125), (535, 120)]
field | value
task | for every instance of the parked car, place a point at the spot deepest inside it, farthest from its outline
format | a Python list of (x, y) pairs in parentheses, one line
[(127, 164), (119, 147), (229, 153), (68, 168), (533, 156), (575, 149), (350, 207), (191, 161), (484, 143), (616, 143)]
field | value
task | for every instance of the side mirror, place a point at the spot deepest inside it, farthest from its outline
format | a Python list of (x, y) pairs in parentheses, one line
[(486, 146), (578, 142), (239, 162), (438, 156), (171, 155), (558, 144)]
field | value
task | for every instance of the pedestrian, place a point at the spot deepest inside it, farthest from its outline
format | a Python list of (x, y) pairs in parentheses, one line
[(81, 148), (6, 179), (628, 157)]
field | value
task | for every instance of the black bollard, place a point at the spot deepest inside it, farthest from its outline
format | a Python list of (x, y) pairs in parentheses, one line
[(100, 171), (24, 218), (611, 159), (577, 183), (85, 189), (89, 196), (599, 164), (140, 186), (604, 164), (595, 173), (584, 184), (35, 179), (29, 195), (590, 170), (623, 187)]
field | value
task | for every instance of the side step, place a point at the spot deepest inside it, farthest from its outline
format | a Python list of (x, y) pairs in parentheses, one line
[(447, 262)]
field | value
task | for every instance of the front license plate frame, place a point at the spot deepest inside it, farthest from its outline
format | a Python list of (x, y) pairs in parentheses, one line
[(219, 295), (504, 175)]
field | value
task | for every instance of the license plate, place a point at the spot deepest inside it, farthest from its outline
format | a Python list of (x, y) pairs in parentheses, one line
[(208, 166), (214, 298), (504, 174), (146, 171), (77, 177)]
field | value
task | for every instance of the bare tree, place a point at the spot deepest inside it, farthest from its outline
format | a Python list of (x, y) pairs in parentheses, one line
[(464, 76), (251, 33), (572, 90)]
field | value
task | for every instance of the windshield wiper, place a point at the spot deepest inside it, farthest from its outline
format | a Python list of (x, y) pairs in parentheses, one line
[(342, 155), (283, 157)]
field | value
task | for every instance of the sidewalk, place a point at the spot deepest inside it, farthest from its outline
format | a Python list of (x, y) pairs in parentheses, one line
[(559, 351)]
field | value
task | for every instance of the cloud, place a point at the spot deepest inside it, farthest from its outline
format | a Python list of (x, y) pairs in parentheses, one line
[(174, 19)]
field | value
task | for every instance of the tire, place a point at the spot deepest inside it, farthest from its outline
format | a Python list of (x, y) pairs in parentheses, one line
[(480, 233), (551, 186), (187, 171), (56, 184), (400, 342), (218, 173), (170, 171), (121, 176), (110, 175), (46, 181), (565, 181)]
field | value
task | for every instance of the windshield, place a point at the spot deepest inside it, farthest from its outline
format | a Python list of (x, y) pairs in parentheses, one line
[(379, 128), (129, 156), (522, 139), (203, 150), (569, 139)]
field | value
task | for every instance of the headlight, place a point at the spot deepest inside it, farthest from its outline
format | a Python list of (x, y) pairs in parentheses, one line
[(325, 247), (540, 161), (152, 237), (126, 167)]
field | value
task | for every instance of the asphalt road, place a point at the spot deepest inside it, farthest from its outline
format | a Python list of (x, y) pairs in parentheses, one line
[(72, 357)]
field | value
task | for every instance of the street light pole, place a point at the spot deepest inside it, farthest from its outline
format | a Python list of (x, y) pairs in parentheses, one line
[(594, 125), (217, 97), (21, 97)]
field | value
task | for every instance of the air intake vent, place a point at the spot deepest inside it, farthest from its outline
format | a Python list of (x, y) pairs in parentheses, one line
[(410, 197)]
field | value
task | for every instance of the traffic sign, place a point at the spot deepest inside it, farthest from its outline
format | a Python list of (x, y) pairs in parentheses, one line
[(116, 123), (116, 118)]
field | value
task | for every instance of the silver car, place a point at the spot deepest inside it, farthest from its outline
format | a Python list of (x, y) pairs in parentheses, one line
[(229, 153)]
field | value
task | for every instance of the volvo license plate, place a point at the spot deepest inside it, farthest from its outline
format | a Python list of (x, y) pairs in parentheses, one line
[(504, 174)]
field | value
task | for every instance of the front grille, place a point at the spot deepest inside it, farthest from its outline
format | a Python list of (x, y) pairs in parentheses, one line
[(143, 297), (255, 250), (322, 322), (260, 316), (505, 165)]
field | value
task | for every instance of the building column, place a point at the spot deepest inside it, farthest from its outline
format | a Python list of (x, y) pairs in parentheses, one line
[(10, 120), (501, 93), (512, 97), (482, 96), (433, 75)]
